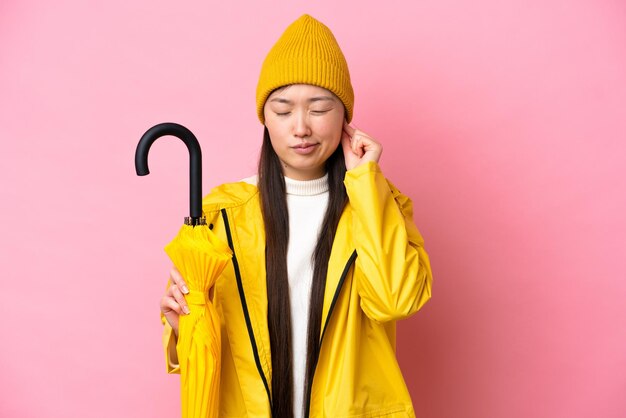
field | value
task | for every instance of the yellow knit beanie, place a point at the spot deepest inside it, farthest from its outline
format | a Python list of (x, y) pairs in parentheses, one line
[(306, 53)]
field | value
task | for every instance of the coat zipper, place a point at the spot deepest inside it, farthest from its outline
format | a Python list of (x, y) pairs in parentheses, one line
[(244, 305), (307, 411)]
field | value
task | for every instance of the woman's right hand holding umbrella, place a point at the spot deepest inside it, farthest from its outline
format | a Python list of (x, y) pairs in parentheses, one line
[(173, 303)]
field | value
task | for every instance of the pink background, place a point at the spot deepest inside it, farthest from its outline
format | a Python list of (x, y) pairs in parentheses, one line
[(504, 121)]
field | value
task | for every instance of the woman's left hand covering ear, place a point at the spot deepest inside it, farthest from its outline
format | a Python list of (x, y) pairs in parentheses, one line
[(358, 147)]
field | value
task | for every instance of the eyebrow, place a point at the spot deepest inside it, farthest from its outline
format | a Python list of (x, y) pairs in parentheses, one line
[(311, 100)]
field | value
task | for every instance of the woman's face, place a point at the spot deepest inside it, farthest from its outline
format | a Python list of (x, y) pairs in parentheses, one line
[(305, 123)]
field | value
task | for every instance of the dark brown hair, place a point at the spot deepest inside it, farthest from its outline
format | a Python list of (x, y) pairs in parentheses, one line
[(276, 218)]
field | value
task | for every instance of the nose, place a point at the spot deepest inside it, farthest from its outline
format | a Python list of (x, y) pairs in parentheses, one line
[(301, 128)]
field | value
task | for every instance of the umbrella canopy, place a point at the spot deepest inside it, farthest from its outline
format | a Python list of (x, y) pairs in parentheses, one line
[(200, 256)]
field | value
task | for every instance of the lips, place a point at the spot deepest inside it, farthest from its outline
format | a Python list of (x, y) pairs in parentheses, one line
[(304, 146)]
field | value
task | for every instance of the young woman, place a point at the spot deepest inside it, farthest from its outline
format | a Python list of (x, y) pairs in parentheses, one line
[(326, 255)]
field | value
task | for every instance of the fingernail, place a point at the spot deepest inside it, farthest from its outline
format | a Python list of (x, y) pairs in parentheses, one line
[(185, 290), (186, 310)]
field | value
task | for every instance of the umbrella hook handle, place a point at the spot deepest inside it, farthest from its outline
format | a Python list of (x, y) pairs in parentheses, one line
[(195, 162)]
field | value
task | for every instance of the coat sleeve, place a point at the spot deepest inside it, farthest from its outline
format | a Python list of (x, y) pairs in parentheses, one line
[(392, 269), (169, 345)]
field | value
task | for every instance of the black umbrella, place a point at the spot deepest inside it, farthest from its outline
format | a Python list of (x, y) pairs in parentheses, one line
[(200, 256)]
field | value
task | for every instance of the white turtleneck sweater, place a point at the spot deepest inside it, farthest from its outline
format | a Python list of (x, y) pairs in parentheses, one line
[(307, 201)]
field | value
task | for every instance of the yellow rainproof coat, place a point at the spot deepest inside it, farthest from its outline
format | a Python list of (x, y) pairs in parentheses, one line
[(378, 273)]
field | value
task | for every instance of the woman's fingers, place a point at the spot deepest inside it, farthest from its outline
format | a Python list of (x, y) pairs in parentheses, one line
[(172, 311), (359, 147), (353, 143), (177, 279), (180, 299), (349, 129), (350, 132), (358, 139), (169, 304), (176, 290)]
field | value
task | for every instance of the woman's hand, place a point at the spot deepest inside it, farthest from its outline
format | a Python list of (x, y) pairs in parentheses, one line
[(358, 147), (173, 303)]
